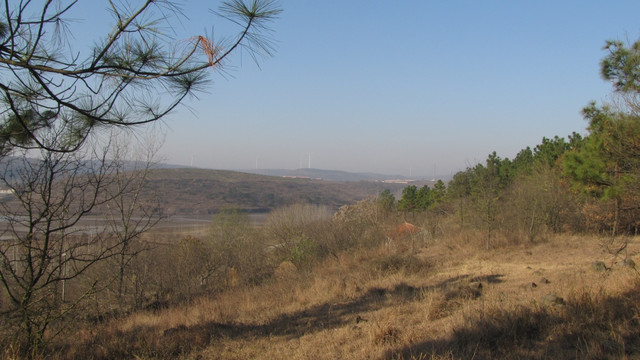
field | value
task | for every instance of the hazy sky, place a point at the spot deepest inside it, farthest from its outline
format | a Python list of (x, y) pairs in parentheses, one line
[(400, 86)]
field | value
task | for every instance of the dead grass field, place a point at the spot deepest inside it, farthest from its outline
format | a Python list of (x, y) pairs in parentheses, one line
[(543, 301)]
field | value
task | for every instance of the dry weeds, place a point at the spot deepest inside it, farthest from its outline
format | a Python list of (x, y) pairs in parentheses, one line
[(449, 301)]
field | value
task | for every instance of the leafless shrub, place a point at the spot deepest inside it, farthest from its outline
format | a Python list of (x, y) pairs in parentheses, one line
[(358, 225), (298, 233), (238, 249), (538, 205), (384, 334)]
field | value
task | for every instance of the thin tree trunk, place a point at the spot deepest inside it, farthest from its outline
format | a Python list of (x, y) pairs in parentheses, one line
[(616, 215)]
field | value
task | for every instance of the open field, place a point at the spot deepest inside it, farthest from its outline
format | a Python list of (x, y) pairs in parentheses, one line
[(452, 300)]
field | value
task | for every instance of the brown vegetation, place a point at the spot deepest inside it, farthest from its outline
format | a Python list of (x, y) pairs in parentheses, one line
[(205, 192), (512, 272), (444, 298)]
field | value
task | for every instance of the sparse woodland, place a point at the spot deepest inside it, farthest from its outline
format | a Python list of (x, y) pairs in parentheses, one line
[(531, 257)]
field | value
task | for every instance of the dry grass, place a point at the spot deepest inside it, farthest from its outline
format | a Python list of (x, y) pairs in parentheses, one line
[(449, 301)]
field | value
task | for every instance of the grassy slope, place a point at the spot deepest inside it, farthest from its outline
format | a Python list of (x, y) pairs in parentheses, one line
[(382, 304)]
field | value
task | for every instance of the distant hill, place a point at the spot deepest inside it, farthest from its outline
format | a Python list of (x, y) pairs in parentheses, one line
[(197, 192), (333, 175), (189, 191)]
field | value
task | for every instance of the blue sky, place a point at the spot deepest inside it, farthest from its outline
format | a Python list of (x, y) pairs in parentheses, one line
[(400, 87)]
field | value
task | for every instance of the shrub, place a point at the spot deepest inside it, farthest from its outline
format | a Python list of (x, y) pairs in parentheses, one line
[(237, 248), (298, 233), (358, 225)]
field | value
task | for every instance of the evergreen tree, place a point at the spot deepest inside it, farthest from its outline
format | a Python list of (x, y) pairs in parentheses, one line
[(409, 200)]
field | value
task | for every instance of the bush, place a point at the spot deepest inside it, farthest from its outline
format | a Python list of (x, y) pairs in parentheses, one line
[(238, 249), (537, 205), (358, 225), (299, 233)]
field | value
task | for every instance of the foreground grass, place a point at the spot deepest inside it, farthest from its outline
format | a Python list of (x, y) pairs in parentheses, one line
[(447, 301)]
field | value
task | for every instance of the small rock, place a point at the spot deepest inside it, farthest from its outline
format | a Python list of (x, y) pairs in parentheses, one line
[(545, 281), (533, 285)]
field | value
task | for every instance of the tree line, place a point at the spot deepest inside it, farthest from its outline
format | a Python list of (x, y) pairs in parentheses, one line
[(578, 183)]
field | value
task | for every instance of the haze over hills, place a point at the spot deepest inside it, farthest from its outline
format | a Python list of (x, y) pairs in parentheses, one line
[(12, 164), (191, 191), (324, 174), (188, 191), (333, 175)]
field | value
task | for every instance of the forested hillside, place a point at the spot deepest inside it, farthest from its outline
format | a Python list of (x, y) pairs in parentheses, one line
[(205, 192)]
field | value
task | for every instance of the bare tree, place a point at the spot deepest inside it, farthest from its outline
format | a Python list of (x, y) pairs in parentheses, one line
[(130, 210), (57, 105), (43, 244)]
